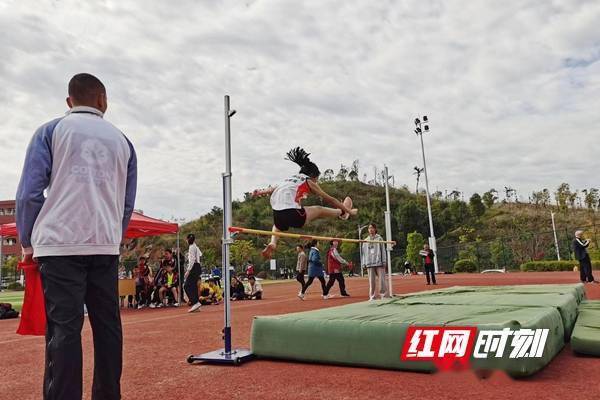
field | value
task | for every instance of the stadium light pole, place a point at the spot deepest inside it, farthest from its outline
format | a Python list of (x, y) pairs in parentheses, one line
[(419, 128), (555, 237), (388, 229)]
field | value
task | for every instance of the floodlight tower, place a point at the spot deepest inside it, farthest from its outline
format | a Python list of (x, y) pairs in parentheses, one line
[(421, 127)]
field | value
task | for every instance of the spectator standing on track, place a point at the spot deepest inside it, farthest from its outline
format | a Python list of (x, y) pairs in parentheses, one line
[(580, 246), (301, 266), (249, 269), (216, 275), (254, 289), (315, 270), (427, 256), (334, 267), (407, 267), (374, 260), (89, 170), (192, 274)]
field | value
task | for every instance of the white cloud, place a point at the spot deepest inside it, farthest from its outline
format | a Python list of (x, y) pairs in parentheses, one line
[(512, 89)]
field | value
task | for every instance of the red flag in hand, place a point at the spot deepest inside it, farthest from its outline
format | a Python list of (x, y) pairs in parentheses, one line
[(33, 314)]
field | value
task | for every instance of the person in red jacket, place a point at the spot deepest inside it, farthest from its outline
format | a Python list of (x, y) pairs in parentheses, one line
[(334, 268)]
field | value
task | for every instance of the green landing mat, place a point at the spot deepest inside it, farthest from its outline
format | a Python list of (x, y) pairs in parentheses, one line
[(372, 334), (586, 334)]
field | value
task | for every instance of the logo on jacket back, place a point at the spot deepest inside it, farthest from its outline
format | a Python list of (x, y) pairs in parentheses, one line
[(94, 152), (95, 155)]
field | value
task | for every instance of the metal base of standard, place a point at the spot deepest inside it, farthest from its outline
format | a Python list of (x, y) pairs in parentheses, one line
[(236, 357)]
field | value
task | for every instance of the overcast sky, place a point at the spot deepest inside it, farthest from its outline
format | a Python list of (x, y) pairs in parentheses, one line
[(512, 89)]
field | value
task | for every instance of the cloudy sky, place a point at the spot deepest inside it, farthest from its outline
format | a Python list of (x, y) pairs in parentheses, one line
[(512, 89)]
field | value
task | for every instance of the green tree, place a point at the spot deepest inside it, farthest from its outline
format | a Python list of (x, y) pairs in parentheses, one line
[(241, 251), (342, 173), (490, 197), (476, 205), (591, 198), (563, 196), (501, 254), (415, 242)]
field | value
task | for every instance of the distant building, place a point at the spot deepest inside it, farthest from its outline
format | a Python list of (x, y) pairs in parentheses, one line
[(10, 246)]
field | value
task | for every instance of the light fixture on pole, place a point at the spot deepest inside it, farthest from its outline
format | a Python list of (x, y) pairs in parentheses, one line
[(421, 127)]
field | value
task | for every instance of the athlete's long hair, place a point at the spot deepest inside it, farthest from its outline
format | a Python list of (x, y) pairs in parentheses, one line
[(300, 157)]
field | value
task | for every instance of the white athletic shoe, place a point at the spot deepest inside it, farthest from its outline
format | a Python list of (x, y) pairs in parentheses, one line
[(176, 305), (328, 296), (300, 296), (348, 204), (195, 307)]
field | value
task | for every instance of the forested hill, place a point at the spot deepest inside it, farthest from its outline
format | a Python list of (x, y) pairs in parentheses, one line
[(485, 229)]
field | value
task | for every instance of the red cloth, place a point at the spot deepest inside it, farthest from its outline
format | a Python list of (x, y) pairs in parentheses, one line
[(33, 313)]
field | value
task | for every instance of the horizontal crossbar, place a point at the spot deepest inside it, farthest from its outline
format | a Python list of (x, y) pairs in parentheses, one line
[(235, 229)]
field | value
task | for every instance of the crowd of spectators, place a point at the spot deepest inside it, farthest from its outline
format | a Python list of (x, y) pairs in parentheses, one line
[(160, 286)]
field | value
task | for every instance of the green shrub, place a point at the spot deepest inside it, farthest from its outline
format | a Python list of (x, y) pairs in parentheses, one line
[(15, 286), (465, 265), (554, 265)]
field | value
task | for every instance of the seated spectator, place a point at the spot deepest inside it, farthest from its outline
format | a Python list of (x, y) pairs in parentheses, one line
[(207, 294), (156, 284), (253, 289), (217, 292), (169, 283), (238, 291), (143, 283)]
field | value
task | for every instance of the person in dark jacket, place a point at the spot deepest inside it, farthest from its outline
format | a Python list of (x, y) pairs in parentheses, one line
[(581, 254), (315, 270), (427, 256)]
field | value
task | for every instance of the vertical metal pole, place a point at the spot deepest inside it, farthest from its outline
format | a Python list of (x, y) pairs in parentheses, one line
[(1, 244), (360, 253), (432, 241), (555, 237), (388, 231), (227, 217)]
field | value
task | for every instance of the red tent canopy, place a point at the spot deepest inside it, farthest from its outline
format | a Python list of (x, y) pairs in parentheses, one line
[(140, 225)]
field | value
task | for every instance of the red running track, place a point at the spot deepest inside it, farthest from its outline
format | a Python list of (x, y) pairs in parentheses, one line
[(157, 342)]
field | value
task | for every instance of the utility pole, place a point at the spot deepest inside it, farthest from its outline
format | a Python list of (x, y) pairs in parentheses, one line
[(555, 238)]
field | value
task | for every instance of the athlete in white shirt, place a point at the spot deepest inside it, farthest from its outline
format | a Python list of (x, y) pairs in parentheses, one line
[(192, 273), (286, 199)]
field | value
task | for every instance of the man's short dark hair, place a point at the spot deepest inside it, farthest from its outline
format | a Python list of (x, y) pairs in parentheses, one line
[(169, 251), (84, 88), (191, 237)]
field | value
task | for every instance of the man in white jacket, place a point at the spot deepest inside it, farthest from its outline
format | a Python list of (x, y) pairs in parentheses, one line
[(89, 170)]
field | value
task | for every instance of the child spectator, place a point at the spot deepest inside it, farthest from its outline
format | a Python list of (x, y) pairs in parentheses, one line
[(216, 274), (334, 267), (143, 281), (249, 269), (407, 267), (209, 293), (169, 283), (238, 291), (253, 289)]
